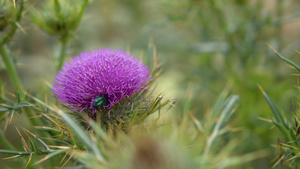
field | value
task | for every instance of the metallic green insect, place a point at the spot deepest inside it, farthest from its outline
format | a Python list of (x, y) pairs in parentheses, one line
[(101, 101)]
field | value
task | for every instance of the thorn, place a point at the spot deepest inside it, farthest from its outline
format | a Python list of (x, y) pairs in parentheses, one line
[(21, 28), (260, 88), (7, 158)]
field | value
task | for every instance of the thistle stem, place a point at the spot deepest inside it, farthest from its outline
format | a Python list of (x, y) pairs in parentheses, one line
[(10, 67), (5, 142), (61, 58), (15, 152)]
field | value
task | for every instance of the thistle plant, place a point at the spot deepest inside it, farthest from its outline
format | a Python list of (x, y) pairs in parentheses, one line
[(288, 145), (118, 77), (122, 136), (97, 80)]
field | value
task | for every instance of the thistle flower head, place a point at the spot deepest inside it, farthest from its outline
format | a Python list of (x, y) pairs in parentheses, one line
[(99, 79), (59, 17)]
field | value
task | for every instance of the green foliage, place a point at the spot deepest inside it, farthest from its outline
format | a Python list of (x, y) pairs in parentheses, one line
[(204, 45), (134, 140), (10, 15), (289, 128), (158, 143), (214, 43)]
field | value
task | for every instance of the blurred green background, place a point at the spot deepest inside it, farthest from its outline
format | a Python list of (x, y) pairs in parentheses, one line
[(203, 47)]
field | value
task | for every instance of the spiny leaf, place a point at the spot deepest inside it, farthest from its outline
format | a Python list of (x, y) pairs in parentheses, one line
[(3, 109), (155, 103), (289, 146), (39, 140), (278, 116), (22, 105), (197, 123), (12, 157), (32, 145), (81, 135), (219, 105), (15, 152), (133, 117), (71, 156), (283, 131), (279, 160), (285, 59), (88, 159), (279, 120), (29, 159), (100, 132), (49, 129), (227, 111), (25, 145), (53, 154), (7, 106), (225, 114)]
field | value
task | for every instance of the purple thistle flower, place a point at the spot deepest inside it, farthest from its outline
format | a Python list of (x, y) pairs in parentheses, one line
[(104, 73)]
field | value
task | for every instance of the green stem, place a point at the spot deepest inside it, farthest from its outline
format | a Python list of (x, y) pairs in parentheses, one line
[(82, 9), (10, 67), (5, 142), (65, 37), (61, 58), (14, 24), (15, 152)]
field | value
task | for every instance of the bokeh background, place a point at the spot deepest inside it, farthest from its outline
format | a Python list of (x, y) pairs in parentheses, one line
[(203, 47)]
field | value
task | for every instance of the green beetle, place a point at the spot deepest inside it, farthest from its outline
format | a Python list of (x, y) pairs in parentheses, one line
[(101, 101)]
